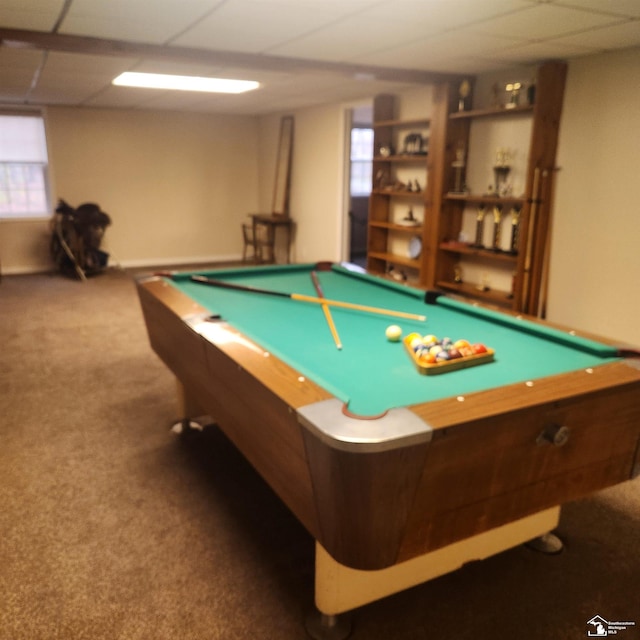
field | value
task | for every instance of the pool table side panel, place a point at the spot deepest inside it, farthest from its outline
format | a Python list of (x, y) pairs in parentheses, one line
[(363, 500), (257, 421), (265, 430), (181, 350), (522, 395), (487, 472)]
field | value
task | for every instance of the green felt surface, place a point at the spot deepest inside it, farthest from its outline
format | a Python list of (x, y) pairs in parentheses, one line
[(370, 373)]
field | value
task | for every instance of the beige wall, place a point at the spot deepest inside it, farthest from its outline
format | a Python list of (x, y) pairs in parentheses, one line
[(176, 186), (595, 257)]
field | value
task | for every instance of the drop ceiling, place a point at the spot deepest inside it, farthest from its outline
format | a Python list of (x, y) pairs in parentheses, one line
[(303, 52)]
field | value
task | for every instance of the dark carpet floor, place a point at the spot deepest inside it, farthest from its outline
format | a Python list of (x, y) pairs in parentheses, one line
[(112, 527)]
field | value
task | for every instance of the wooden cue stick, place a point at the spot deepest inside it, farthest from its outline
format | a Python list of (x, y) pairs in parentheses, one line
[(304, 298), (546, 257), (326, 311), (530, 231)]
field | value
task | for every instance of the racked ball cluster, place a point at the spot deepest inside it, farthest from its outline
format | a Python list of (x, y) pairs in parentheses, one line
[(433, 355)]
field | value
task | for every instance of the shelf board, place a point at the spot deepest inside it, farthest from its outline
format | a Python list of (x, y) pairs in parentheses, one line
[(404, 157), (482, 199), (491, 113), (500, 298), (392, 226), (467, 249), (396, 259), (397, 193), (404, 124)]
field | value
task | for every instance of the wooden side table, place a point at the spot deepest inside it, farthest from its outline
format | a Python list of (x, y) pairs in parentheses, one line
[(265, 226)]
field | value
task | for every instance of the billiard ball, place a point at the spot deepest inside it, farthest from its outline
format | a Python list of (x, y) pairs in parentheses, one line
[(479, 348), (393, 333)]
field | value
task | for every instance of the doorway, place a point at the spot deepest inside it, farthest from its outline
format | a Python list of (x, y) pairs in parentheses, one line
[(360, 168)]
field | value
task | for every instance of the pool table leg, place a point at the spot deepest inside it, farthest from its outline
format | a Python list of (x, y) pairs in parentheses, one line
[(188, 410), (339, 588)]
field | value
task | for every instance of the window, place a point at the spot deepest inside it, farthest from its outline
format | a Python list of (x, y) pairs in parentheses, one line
[(361, 161), (23, 167)]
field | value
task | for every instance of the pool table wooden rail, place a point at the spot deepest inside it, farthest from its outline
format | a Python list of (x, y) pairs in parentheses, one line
[(484, 464)]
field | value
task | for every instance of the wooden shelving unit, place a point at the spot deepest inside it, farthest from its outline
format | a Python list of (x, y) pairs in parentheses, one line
[(447, 257), (510, 270), (399, 191)]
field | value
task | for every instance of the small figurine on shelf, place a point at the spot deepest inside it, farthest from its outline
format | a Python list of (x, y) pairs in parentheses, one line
[(515, 229), (464, 91), (484, 283), (458, 168), (501, 170), (479, 243), (513, 89), (409, 220), (413, 144), (497, 228), (381, 179), (457, 274)]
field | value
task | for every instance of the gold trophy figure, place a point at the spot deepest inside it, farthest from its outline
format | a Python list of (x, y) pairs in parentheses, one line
[(515, 229), (497, 227), (513, 88), (479, 243), (464, 90), (458, 167)]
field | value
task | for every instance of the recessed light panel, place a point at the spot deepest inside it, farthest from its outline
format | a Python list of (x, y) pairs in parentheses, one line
[(184, 83)]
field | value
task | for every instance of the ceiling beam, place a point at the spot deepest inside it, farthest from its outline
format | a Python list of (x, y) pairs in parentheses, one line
[(19, 38)]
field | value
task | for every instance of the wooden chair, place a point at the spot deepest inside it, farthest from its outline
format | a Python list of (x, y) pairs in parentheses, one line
[(259, 241), (249, 248)]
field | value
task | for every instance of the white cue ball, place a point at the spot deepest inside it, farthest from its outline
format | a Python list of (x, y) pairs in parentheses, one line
[(393, 333)]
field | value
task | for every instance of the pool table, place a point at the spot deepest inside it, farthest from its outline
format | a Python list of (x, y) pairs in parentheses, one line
[(395, 474)]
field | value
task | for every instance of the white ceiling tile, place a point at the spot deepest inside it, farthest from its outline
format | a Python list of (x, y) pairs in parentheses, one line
[(427, 54), (150, 21), (39, 15), (454, 36), (629, 8), (622, 35), (253, 26), (544, 21), (438, 15), (531, 52)]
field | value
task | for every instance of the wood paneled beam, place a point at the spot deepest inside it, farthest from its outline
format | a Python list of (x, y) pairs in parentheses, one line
[(19, 38)]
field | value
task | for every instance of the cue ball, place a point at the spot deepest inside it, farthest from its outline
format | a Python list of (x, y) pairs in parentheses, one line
[(393, 333)]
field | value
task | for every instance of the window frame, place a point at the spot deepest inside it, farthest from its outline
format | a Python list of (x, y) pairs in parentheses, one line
[(45, 167)]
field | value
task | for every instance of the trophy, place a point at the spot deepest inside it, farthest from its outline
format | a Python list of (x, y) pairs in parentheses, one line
[(515, 229), (501, 170), (458, 167), (513, 88), (464, 90), (479, 243), (497, 227)]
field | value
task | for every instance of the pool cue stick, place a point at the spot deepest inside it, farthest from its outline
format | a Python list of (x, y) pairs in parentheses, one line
[(304, 298), (326, 310), (530, 233), (546, 256)]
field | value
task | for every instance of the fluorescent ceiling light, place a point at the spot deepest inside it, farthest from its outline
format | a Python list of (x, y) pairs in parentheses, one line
[(184, 83)]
